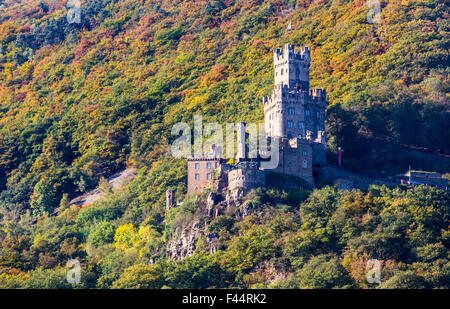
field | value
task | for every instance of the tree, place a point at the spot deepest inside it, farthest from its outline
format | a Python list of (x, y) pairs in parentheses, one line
[(140, 276), (125, 237), (323, 272), (103, 233), (404, 280)]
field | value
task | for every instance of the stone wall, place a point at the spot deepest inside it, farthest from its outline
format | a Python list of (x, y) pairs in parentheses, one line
[(336, 175), (290, 113), (245, 178), (296, 159), (200, 172), (319, 155), (291, 67)]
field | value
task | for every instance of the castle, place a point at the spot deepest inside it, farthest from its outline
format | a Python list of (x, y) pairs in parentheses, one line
[(294, 114)]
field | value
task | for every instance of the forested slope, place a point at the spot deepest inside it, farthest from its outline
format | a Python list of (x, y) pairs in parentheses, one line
[(79, 101)]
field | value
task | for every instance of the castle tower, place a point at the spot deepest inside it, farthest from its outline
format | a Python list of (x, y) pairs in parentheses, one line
[(293, 109), (291, 68)]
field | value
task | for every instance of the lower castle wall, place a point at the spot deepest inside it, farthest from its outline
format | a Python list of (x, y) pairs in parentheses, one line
[(245, 178), (296, 162), (319, 154), (338, 175)]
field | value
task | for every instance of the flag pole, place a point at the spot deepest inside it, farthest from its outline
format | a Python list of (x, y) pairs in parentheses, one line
[(291, 34), (289, 28)]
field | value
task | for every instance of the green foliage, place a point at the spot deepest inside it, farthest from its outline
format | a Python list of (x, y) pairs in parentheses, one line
[(81, 101), (197, 272), (404, 280), (323, 272), (221, 224), (106, 212), (103, 233), (140, 277)]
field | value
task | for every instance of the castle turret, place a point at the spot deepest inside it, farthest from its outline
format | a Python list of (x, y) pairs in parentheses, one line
[(291, 68)]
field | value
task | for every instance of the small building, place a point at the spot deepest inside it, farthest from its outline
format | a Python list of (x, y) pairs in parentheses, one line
[(423, 178), (201, 167)]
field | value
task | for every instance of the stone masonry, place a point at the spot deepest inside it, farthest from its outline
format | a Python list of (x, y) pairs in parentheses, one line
[(293, 113)]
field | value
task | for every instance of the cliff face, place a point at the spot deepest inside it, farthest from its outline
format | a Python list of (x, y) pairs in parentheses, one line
[(184, 241), (183, 245)]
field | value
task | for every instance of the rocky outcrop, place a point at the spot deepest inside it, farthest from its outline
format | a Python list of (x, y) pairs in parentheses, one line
[(184, 245), (184, 242)]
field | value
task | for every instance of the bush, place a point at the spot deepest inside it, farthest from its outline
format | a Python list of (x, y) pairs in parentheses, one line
[(323, 272)]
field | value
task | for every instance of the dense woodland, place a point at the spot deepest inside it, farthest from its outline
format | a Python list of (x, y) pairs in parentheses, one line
[(80, 101)]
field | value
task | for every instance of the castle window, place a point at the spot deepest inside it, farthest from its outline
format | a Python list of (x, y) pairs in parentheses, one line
[(208, 176), (300, 125), (317, 115), (307, 113), (197, 176), (208, 165), (291, 111), (281, 71), (305, 164), (197, 166), (318, 128), (305, 153), (289, 124)]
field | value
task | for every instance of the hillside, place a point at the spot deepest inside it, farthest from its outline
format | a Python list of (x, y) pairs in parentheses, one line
[(81, 101)]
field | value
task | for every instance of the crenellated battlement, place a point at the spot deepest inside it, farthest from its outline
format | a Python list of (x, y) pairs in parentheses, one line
[(318, 93), (289, 53), (291, 67)]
